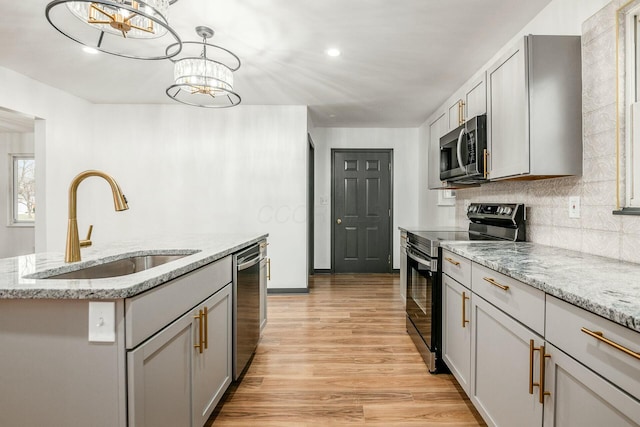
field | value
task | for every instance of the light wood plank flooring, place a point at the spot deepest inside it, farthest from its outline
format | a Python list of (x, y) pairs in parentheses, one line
[(341, 356)]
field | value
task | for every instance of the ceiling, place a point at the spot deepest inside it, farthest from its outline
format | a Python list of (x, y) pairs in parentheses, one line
[(400, 59)]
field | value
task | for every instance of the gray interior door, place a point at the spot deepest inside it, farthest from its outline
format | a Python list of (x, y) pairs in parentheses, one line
[(361, 211)]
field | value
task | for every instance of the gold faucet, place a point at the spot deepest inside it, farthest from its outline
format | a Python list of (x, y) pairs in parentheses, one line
[(72, 253)]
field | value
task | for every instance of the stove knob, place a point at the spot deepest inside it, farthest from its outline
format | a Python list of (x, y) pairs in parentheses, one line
[(499, 210), (508, 210)]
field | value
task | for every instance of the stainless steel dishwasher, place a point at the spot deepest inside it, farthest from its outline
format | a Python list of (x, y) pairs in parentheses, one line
[(246, 306)]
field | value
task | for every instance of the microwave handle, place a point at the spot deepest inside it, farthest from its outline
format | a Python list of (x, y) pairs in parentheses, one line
[(459, 149)]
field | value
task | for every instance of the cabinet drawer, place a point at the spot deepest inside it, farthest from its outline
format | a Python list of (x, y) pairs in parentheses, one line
[(147, 313), (457, 267), (519, 300), (564, 326)]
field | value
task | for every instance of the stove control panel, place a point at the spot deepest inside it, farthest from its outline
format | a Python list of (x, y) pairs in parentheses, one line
[(504, 211)]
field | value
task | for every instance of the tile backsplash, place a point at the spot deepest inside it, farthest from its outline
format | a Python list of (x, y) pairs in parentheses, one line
[(597, 231)]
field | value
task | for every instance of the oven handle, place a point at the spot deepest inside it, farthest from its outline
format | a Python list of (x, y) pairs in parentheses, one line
[(418, 259)]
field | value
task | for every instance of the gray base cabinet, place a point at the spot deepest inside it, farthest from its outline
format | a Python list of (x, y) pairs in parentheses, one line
[(534, 359), (500, 372), (172, 382), (151, 375)]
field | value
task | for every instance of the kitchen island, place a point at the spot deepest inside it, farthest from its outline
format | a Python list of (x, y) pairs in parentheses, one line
[(540, 327), (149, 348)]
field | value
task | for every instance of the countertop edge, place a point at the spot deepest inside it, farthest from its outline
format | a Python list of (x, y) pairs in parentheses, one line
[(580, 301), (140, 282)]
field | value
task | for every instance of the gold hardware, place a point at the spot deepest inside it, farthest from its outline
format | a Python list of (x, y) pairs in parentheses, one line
[(494, 283), (87, 242), (464, 309), (461, 119), (72, 252), (600, 337), (543, 358), (268, 268), (200, 345), (531, 383), (339, 221), (205, 316), (117, 21), (452, 261), (264, 245), (486, 157)]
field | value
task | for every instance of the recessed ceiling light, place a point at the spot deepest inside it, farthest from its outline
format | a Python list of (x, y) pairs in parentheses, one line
[(333, 52), (90, 50), (332, 115)]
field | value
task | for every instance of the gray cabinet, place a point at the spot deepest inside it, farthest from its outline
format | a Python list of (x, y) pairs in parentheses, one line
[(403, 266), (475, 98), (503, 367), (179, 375), (534, 109), (581, 398), (436, 129), (212, 365), (456, 330)]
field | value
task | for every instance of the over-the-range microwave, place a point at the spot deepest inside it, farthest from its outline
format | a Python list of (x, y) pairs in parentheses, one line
[(463, 152)]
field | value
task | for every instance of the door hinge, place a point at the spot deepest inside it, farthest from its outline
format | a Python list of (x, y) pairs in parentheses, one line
[(389, 261), (389, 167), (389, 213)]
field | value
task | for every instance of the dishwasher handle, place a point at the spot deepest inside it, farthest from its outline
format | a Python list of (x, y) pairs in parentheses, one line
[(250, 263)]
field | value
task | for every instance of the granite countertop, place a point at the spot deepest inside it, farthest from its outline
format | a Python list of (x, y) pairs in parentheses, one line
[(20, 276), (604, 286)]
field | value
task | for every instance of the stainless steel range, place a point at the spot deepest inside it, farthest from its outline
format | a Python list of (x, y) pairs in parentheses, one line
[(488, 221)]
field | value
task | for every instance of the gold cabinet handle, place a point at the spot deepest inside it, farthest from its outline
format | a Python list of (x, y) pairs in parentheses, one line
[(486, 157), (531, 383), (464, 309), (338, 221), (268, 268), (199, 346), (543, 357), (461, 112), (453, 261), (205, 317), (494, 283), (600, 337)]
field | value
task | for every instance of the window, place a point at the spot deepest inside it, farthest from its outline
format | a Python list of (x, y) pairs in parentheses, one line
[(628, 24), (23, 189)]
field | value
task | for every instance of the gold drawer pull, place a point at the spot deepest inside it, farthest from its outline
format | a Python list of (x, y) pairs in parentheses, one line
[(600, 337), (543, 357), (531, 383), (452, 261), (494, 283), (205, 318)]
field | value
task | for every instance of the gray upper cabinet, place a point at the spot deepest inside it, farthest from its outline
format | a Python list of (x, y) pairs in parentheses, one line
[(534, 109), (436, 129), (475, 98)]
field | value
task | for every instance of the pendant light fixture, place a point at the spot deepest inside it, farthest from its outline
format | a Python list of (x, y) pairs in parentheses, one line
[(201, 75), (136, 29)]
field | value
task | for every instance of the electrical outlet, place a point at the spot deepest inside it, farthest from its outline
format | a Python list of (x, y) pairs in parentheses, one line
[(574, 207), (102, 321)]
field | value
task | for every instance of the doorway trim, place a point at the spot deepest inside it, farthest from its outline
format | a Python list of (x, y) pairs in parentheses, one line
[(391, 195)]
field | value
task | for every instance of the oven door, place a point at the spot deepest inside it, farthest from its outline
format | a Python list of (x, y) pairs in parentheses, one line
[(420, 292)]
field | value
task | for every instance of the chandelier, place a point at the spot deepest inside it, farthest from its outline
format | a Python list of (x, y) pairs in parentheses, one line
[(203, 79), (129, 28)]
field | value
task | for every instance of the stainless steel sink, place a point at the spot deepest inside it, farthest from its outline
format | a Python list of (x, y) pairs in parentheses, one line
[(121, 267)]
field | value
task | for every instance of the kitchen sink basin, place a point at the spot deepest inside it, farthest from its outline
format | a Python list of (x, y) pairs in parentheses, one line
[(120, 267)]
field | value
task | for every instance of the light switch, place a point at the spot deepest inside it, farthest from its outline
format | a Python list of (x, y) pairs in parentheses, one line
[(574, 207), (102, 321)]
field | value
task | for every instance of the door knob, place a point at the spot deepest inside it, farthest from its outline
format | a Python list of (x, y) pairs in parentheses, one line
[(339, 221)]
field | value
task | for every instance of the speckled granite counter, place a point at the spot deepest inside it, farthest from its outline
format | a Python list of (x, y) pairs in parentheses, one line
[(20, 277), (604, 286)]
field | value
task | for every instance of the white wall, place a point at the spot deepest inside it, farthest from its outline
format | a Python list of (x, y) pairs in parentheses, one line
[(14, 240), (193, 170), (404, 143), (64, 128), (562, 17)]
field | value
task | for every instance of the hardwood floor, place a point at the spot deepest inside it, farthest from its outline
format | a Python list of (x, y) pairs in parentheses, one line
[(340, 356)]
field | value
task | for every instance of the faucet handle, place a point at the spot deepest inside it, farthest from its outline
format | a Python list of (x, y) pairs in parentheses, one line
[(87, 242)]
